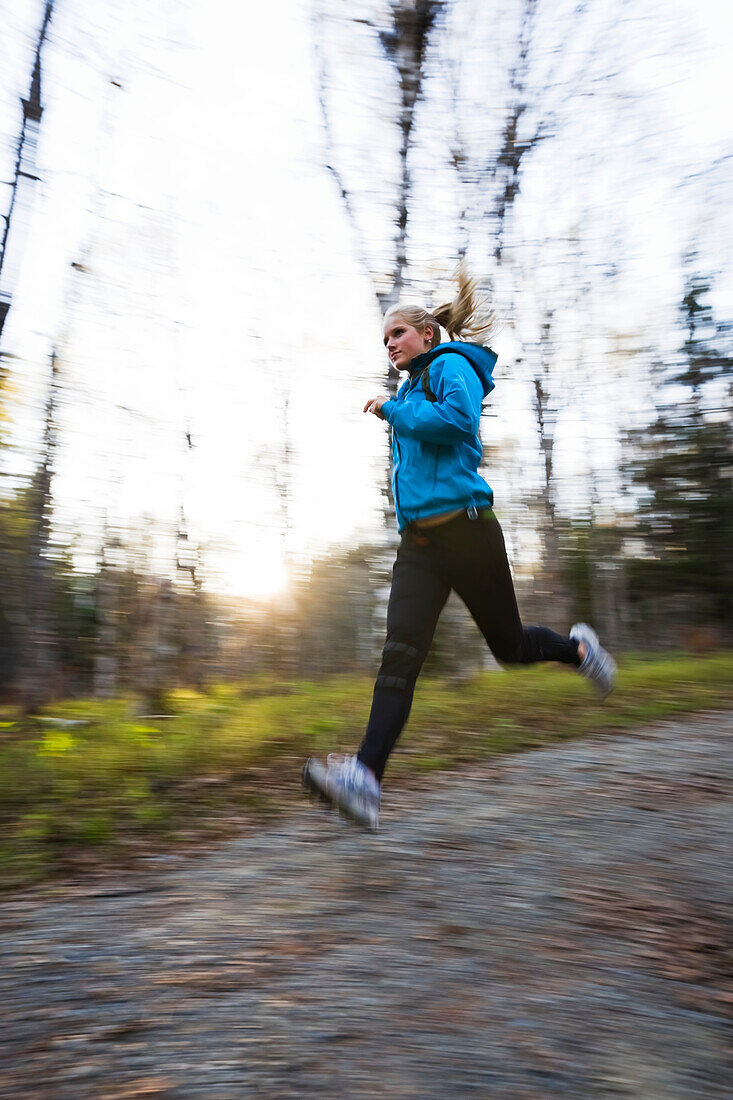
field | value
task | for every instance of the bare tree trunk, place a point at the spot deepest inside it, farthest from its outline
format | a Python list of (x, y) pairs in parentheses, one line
[(190, 610), (153, 642), (554, 575), (405, 44), (507, 167), (24, 180), (283, 473), (38, 663), (106, 658), (608, 589)]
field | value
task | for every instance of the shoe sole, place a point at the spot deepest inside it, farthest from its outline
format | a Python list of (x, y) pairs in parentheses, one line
[(315, 791)]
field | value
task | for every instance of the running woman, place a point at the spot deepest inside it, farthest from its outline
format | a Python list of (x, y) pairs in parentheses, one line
[(450, 537)]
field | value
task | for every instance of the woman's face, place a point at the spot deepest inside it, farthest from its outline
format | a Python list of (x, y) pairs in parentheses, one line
[(403, 342)]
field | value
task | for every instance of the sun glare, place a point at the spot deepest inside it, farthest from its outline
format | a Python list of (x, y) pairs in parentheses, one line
[(254, 575)]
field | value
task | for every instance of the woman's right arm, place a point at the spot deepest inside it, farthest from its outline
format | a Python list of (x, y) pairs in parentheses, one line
[(453, 417)]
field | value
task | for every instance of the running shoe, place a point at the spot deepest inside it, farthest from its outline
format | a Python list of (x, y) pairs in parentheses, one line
[(348, 785), (598, 666)]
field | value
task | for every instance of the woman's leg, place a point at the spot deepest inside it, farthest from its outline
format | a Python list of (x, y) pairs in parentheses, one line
[(476, 564), (416, 599)]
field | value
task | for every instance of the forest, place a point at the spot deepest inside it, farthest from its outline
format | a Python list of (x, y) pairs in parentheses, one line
[(541, 145)]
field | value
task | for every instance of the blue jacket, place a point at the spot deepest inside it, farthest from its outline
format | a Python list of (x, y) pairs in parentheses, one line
[(436, 448)]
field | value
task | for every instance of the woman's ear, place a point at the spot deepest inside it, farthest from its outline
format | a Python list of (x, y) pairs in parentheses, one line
[(428, 333)]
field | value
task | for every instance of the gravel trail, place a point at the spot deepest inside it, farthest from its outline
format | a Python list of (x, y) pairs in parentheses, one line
[(554, 924)]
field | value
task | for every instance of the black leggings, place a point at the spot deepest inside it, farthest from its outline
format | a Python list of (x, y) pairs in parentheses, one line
[(467, 555)]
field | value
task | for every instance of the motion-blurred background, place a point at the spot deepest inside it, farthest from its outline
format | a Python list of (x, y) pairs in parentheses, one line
[(206, 209)]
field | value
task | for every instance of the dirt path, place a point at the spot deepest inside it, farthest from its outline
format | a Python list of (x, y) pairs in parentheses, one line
[(557, 924)]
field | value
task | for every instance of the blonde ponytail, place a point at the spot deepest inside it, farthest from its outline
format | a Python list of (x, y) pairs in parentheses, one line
[(467, 317)]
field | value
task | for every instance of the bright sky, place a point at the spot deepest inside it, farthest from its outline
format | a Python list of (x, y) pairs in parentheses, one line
[(220, 284), (223, 293)]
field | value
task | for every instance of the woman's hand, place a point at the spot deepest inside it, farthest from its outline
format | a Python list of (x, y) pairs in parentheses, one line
[(374, 405)]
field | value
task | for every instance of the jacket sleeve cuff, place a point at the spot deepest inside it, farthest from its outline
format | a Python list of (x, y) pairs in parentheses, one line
[(388, 408)]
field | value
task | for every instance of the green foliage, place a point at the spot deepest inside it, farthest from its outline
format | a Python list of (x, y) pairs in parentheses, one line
[(87, 774)]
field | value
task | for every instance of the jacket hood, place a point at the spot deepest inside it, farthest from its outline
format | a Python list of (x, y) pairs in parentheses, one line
[(482, 360)]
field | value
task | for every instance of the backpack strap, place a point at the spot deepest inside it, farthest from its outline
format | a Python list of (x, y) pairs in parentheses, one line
[(425, 383)]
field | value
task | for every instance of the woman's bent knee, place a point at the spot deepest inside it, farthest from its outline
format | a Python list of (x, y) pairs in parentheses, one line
[(400, 664)]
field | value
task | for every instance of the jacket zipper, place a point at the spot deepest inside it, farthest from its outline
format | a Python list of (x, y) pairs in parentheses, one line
[(413, 383), (412, 386), (399, 455)]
